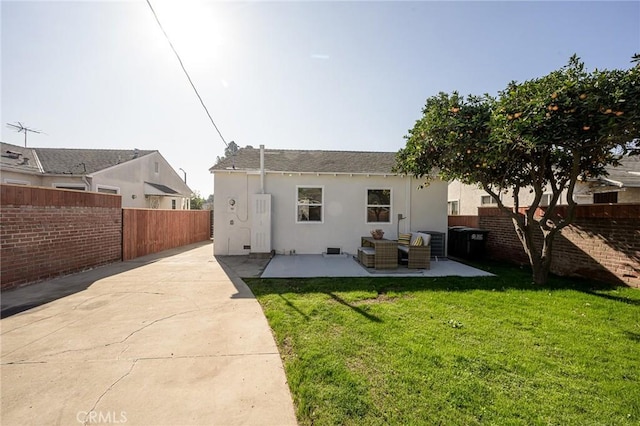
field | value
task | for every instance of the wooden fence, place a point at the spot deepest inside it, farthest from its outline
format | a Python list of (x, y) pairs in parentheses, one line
[(151, 231), (468, 221), (48, 232)]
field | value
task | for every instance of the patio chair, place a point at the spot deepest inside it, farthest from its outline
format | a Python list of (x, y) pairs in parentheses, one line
[(416, 248)]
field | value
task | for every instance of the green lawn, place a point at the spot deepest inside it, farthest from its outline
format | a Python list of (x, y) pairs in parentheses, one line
[(457, 351)]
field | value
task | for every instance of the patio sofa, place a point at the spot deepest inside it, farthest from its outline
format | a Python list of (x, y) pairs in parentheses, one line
[(416, 248)]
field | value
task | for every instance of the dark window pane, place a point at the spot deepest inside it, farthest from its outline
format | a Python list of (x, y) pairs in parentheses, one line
[(309, 214), (378, 214), (605, 198), (379, 197), (309, 195), (315, 214)]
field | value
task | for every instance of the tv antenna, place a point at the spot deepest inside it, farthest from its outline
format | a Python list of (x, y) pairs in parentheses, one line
[(24, 129)]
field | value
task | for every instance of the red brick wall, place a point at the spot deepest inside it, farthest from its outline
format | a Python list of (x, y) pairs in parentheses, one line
[(47, 232), (603, 243)]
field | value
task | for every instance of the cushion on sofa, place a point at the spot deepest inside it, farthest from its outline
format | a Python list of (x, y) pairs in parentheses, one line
[(403, 239), (417, 241)]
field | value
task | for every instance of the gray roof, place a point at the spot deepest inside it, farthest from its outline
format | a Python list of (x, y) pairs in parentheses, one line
[(627, 174), (303, 161), (163, 188), (83, 161), (17, 157)]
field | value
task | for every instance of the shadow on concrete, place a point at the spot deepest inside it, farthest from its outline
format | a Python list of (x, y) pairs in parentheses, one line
[(32, 295), (239, 267)]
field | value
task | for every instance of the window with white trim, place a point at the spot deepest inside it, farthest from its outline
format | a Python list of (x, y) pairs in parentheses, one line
[(17, 182), (108, 189), (378, 206), (75, 187), (453, 208), (487, 200), (309, 204)]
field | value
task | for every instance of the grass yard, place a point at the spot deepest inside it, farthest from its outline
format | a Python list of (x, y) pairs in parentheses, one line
[(457, 351)]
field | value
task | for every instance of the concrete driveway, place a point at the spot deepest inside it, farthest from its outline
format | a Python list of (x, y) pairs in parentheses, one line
[(174, 339)]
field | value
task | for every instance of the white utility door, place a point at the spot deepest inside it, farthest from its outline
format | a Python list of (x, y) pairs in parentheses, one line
[(261, 223)]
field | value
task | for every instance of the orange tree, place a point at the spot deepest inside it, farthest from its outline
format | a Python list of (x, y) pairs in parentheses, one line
[(540, 136)]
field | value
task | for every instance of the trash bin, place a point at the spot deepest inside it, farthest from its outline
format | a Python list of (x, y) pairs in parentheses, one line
[(466, 242)]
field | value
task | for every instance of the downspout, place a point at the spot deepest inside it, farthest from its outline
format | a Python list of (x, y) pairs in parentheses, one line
[(262, 169), (407, 227), (87, 182)]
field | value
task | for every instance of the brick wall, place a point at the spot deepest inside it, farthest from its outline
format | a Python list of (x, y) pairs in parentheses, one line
[(45, 232), (603, 243)]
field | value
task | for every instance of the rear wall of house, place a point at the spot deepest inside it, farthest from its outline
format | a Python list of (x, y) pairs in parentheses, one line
[(344, 210)]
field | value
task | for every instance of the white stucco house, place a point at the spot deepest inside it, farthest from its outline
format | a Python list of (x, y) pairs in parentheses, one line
[(304, 201), (143, 178), (621, 185)]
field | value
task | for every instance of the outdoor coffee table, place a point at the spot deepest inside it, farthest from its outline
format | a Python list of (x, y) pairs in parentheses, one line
[(386, 256)]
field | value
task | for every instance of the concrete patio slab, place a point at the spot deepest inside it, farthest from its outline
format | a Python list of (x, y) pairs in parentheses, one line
[(315, 265), (170, 339)]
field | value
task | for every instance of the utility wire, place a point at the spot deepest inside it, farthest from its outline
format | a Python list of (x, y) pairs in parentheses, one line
[(186, 73)]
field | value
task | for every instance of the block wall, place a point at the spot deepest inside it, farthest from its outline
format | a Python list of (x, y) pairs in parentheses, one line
[(603, 243), (46, 232)]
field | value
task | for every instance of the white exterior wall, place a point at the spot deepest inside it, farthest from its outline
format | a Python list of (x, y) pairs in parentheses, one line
[(129, 179), (126, 178), (344, 210), (469, 196), (20, 178)]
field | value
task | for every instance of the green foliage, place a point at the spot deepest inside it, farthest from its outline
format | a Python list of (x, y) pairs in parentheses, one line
[(532, 134), (196, 201), (542, 135), (457, 351)]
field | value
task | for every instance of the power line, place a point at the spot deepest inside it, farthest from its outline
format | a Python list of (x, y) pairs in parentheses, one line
[(186, 73)]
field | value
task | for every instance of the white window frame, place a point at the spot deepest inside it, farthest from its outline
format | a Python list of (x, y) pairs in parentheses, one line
[(449, 209), (17, 182), (110, 188), (367, 205), (490, 203), (321, 205), (72, 186), (157, 167)]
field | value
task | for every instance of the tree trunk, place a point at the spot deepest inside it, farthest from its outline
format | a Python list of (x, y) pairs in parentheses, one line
[(540, 273), (539, 256)]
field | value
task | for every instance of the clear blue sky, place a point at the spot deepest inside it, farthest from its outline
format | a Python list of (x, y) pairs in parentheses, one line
[(294, 75)]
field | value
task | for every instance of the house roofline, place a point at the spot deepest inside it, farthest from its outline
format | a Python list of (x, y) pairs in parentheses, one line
[(283, 172)]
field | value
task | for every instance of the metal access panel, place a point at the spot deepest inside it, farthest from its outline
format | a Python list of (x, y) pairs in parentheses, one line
[(437, 243), (260, 223)]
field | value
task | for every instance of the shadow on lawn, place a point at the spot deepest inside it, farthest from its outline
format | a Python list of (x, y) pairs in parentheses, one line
[(506, 277)]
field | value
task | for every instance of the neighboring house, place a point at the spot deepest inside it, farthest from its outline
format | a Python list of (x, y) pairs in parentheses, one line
[(304, 202), (622, 185), (143, 178)]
